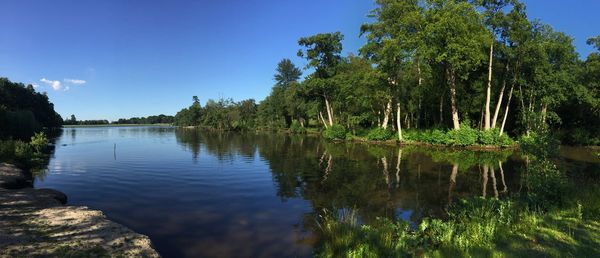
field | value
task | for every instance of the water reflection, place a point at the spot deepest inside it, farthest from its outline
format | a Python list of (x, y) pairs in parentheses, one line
[(373, 180), (215, 194)]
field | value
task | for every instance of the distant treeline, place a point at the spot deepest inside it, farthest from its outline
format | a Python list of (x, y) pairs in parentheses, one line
[(23, 111), (159, 119), (224, 114)]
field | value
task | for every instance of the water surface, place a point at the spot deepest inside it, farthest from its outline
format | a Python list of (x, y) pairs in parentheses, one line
[(205, 194)]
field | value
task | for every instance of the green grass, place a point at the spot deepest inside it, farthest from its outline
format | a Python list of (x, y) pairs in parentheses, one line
[(478, 228)]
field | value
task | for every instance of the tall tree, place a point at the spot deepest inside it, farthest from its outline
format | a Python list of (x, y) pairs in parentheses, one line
[(393, 43), (518, 35), (494, 19), (455, 37), (322, 51), (287, 73)]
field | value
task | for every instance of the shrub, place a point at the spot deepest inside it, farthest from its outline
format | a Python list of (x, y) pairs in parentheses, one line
[(23, 151), (465, 136), (437, 136), (297, 128), (493, 137), (546, 185), (7, 150), (541, 145), (39, 141), (335, 132), (380, 134)]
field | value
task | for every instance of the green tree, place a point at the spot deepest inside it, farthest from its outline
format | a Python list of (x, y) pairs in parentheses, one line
[(494, 19), (394, 43), (455, 37), (322, 51)]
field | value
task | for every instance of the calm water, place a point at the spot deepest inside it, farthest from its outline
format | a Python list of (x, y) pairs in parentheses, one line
[(203, 194)]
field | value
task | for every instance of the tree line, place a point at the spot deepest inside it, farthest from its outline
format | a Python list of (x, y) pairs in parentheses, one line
[(23, 111), (159, 119)]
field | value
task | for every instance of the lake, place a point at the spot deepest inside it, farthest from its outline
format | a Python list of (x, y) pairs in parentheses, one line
[(197, 193)]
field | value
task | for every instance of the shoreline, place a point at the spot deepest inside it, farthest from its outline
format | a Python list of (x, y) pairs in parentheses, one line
[(40, 223)]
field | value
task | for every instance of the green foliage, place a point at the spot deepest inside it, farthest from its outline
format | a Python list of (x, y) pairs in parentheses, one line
[(546, 185), (224, 114), (160, 119), (297, 128), (465, 136), (322, 51), (335, 132), (540, 145), (472, 224), (22, 150), (39, 141), (492, 137), (380, 134), (23, 111), (22, 153)]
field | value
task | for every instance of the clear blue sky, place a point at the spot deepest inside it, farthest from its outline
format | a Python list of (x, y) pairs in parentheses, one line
[(121, 58)]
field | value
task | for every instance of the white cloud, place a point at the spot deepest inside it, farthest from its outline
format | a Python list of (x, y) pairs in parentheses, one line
[(35, 85), (75, 81), (56, 85)]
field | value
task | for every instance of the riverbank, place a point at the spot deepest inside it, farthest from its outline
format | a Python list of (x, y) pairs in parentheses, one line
[(38, 223)]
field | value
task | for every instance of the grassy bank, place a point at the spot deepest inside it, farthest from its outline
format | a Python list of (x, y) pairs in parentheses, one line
[(477, 227), (555, 214)]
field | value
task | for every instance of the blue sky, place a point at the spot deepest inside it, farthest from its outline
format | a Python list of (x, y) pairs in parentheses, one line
[(123, 58)]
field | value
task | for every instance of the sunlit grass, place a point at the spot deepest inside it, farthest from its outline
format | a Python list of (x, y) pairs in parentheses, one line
[(475, 228)]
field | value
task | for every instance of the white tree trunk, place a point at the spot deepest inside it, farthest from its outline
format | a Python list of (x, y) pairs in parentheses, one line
[(506, 110), (398, 124), (500, 98), (453, 104), (495, 119), (323, 119), (329, 111), (544, 112), (489, 88), (386, 114)]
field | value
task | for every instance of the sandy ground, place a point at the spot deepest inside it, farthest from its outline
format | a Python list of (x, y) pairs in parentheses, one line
[(36, 223)]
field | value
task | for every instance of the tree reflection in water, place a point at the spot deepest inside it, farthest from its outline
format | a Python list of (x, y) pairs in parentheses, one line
[(335, 176)]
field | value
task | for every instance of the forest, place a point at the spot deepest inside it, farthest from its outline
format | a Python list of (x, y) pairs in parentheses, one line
[(23, 111), (450, 72), (27, 120)]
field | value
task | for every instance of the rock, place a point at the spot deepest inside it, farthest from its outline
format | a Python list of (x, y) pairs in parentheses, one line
[(36, 223), (12, 177)]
